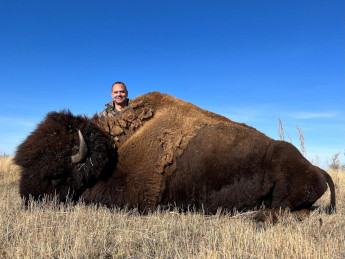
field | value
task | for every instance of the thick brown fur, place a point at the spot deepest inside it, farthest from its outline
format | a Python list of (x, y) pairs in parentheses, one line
[(172, 152)]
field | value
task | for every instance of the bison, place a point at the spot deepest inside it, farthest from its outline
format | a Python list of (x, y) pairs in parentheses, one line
[(162, 150)]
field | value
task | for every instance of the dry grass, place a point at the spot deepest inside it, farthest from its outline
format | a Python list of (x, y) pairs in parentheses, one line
[(48, 229)]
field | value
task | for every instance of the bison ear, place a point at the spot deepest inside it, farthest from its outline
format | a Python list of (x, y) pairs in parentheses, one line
[(80, 156)]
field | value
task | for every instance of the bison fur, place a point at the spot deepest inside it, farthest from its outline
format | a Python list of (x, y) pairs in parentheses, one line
[(162, 150)]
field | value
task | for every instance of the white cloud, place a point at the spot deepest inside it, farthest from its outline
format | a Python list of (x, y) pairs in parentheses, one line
[(312, 115), (16, 121), (246, 114), (324, 155), (13, 130)]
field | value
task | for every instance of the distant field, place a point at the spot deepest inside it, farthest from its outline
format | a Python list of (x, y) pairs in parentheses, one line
[(48, 229)]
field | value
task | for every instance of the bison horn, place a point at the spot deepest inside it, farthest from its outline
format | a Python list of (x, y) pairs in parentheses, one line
[(77, 158)]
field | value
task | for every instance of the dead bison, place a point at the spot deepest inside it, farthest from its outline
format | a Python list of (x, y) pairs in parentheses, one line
[(162, 150)]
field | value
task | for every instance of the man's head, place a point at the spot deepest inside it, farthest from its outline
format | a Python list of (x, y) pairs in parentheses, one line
[(119, 93)]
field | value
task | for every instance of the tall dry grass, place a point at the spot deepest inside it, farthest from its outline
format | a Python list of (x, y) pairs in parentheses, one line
[(49, 229)]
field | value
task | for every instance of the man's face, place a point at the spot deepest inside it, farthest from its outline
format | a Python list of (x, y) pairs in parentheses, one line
[(119, 94)]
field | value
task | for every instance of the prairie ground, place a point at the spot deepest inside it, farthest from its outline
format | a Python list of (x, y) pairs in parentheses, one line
[(48, 229)]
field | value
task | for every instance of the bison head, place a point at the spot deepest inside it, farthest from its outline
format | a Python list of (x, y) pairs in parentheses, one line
[(64, 155)]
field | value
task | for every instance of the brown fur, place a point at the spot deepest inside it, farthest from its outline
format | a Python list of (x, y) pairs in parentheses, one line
[(172, 152)]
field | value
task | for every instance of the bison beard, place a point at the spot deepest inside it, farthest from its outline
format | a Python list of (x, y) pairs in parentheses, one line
[(162, 150)]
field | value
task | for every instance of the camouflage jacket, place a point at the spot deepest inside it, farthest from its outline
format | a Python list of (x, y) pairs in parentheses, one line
[(111, 111)]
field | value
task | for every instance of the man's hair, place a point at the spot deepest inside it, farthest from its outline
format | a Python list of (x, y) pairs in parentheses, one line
[(119, 82)]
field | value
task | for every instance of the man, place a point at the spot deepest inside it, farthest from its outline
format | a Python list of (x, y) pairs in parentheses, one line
[(119, 94)]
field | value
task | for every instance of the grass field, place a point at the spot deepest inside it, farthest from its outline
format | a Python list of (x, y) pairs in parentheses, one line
[(48, 229)]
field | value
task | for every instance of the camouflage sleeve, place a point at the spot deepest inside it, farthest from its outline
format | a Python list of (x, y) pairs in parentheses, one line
[(103, 114)]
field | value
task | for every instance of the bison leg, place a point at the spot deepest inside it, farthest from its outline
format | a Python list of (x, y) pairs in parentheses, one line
[(272, 216), (269, 216)]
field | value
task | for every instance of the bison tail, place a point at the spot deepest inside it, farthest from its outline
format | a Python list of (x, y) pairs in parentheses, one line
[(332, 207)]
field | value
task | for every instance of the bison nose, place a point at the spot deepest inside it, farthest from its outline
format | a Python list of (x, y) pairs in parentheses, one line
[(56, 178), (56, 182)]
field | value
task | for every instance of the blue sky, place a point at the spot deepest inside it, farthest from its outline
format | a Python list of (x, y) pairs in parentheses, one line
[(252, 61)]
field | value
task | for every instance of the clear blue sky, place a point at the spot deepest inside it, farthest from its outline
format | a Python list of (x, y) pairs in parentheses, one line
[(252, 61)]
